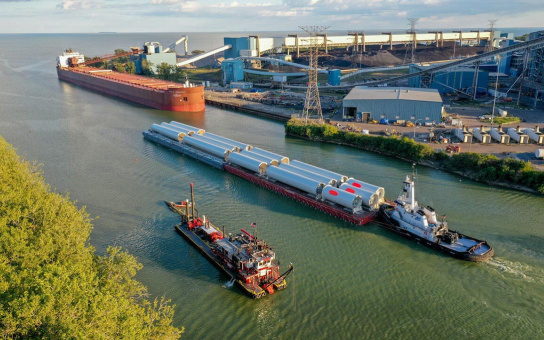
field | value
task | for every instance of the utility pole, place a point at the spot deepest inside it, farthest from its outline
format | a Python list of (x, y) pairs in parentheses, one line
[(312, 104)]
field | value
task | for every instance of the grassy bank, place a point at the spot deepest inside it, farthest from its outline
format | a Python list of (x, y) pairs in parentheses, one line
[(480, 167), (52, 284)]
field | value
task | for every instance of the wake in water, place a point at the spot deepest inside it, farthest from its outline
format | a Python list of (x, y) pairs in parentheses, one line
[(517, 270), (229, 284)]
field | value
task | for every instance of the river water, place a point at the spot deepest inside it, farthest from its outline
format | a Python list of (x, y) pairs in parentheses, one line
[(349, 282)]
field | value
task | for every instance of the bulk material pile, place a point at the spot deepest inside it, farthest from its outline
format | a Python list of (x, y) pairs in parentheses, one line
[(322, 184)]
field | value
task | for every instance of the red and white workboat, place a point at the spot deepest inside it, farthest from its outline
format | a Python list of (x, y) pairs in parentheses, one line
[(247, 260)]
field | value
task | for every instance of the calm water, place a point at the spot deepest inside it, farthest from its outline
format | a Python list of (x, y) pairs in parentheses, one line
[(350, 282)]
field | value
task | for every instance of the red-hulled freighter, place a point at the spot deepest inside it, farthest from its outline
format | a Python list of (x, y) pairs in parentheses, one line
[(247, 260), (156, 93)]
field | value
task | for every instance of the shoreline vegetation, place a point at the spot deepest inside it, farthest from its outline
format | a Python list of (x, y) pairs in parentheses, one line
[(52, 284), (483, 168)]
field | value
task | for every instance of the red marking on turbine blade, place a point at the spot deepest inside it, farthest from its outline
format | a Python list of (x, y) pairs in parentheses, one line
[(357, 185), (333, 192), (350, 190)]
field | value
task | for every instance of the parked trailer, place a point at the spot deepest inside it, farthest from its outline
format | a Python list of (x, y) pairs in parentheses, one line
[(309, 174), (280, 158), (249, 163), (261, 158), (499, 135), (230, 147), (300, 182), (242, 146), (370, 199), (206, 147), (166, 132), (339, 178), (463, 135), (535, 134), (343, 198), (188, 127), (368, 187), (518, 136), (481, 135)]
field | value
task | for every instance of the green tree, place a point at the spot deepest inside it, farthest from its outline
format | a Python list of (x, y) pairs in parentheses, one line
[(52, 284), (147, 68), (130, 68), (179, 74), (165, 71)]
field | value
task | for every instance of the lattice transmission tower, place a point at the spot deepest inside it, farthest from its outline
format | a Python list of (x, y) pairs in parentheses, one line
[(413, 37), (489, 46), (312, 103)]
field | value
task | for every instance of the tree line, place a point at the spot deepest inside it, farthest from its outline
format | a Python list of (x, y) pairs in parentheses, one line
[(482, 167), (52, 284)]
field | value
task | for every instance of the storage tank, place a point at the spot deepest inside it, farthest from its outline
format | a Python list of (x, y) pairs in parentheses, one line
[(481, 135), (280, 158), (339, 178), (218, 143), (344, 198), (303, 183), (166, 132), (370, 199), (463, 135), (177, 128), (242, 146), (261, 158), (368, 187), (499, 135), (206, 147), (535, 134), (309, 174), (248, 162), (188, 127), (518, 136), (539, 153)]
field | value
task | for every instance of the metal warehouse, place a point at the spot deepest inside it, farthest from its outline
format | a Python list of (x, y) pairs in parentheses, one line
[(399, 103)]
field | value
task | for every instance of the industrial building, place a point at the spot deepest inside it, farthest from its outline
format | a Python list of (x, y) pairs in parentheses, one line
[(399, 103), (536, 57), (153, 54), (449, 81)]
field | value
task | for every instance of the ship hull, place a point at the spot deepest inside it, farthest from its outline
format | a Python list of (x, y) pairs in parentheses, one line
[(393, 225), (138, 89)]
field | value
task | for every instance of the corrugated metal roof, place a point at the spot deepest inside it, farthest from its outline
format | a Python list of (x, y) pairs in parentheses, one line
[(400, 93)]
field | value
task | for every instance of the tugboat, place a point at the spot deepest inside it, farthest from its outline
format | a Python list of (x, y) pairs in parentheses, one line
[(246, 259), (412, 221)]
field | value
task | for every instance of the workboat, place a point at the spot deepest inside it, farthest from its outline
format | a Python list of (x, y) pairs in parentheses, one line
[(407, 218), (247, 260)]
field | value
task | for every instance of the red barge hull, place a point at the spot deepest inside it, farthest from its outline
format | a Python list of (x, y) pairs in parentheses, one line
[(360, 218), (156, 93)]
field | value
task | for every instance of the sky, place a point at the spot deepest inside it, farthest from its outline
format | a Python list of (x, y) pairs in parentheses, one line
[(87, 16)]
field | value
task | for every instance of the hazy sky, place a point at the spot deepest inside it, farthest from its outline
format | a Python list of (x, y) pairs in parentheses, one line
[(22, 16)]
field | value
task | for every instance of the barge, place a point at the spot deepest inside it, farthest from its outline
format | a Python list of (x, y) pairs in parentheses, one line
[(339, 201), (155, 93), (244, 258)]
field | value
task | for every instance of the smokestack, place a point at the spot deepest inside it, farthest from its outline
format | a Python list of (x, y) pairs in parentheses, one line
[(482, 129), (500, 128), (518, 128), (537, 129), (465, 128)]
